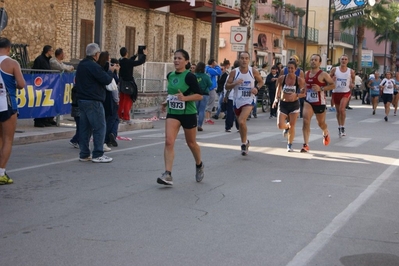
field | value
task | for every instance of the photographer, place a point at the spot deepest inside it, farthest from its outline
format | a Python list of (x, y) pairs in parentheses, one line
[(126, 79)]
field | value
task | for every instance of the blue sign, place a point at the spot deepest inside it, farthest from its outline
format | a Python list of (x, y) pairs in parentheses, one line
[(45, 95)]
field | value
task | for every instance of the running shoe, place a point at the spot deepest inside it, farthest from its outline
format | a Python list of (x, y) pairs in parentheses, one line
[(102, 159), (386, 118), (285, 132), (200, 129), (339, 132), (326, 140), (244, 148), (228, 130), (305, 148), (106, 148), (165, 179), (210, 122), (373, 112), (74, 144), (87, 159), (289, 147), (5, 180), (199, 173), (343, 134)]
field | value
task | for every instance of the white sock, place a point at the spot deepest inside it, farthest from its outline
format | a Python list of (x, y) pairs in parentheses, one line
[(2, 171)]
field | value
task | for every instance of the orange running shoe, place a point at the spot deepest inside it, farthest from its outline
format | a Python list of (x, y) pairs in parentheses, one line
[(305, 148), (326, 139)]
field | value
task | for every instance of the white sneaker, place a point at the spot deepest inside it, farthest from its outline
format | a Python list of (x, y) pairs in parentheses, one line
[(102, 159), (106, 148)]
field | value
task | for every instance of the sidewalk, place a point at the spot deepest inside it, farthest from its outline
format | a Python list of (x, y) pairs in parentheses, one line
[(26, 133)]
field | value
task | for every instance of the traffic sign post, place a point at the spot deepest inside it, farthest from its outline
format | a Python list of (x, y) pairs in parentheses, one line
[(238, 35)]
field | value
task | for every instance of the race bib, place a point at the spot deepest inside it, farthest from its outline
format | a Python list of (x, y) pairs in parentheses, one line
[(175, 103), (245, 93), (340, 84), (312, 96)]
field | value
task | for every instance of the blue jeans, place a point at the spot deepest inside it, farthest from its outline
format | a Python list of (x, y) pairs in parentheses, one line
[(112, 122), (75, 139), (201, 105), (92, 121), (221, 96)]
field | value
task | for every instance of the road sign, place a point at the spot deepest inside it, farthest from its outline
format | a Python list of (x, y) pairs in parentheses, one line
[(367, 58), (238, 35), (238, 47)]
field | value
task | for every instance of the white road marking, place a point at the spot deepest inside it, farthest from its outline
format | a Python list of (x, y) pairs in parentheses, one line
[(351, 142), (394, 146), (259, 136), (371, 120), (304, 256)]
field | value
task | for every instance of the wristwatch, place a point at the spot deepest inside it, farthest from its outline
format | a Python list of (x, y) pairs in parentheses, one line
[(322, 88)]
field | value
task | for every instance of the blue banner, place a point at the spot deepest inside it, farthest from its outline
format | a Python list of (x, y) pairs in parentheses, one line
[(45, 95)]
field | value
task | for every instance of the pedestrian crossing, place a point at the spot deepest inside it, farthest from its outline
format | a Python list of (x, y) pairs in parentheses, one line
[(347, 141)]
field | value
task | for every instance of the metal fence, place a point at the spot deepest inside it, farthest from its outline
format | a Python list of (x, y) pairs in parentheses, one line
[(19, 52), (150, 72)]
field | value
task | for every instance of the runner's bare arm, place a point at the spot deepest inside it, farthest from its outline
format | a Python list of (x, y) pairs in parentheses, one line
[(230, 83), (19, 78), (352, 85), (302, 85)]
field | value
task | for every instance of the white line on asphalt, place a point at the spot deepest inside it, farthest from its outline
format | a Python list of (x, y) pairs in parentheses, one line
[(351, 142), (76, 159), (304, 256), (394, 146), (370, 120)]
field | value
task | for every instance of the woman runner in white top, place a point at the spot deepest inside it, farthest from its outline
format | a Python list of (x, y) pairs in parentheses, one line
[(387, 85), (290, 88)]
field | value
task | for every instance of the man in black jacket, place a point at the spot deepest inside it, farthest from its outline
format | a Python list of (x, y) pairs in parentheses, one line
[(42, 62), (90, 80)]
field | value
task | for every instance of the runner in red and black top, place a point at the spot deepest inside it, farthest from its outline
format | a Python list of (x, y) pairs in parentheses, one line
[(317, 81)]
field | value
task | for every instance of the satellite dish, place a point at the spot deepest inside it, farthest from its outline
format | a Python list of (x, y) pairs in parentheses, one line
[(3, 19), (371, 2)]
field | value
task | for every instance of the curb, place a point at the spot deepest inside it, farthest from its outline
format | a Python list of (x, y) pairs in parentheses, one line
[(27, 135)]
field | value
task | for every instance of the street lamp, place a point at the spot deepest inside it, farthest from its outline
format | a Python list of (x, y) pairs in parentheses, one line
[(213, 26), (306, 36)]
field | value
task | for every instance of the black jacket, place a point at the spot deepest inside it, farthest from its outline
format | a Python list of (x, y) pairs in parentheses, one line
[(127, 64), (42, 62), (271, 85), (221, 82), (90, 80)]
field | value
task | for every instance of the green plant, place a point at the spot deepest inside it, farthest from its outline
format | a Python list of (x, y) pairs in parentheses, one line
[(277, 3), (269, 16), (300, 11), (290, 7)]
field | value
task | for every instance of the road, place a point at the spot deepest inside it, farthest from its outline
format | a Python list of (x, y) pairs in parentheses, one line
[(337, 205)]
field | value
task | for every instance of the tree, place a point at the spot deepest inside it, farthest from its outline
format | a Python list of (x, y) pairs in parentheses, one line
[(363, 22), (246, 11), (386, 29)]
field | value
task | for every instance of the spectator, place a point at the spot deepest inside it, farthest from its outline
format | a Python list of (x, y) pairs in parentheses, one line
[(220, 89), (74, 142), (43, 62), (57, 64), (11, 77), (271, 82), (125, 77), (91, 79), (213, 70), (204, 83)]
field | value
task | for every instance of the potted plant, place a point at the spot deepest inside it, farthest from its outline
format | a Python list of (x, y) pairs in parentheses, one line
[(277, 3), (290, 7), (300, 11), (268, 16)]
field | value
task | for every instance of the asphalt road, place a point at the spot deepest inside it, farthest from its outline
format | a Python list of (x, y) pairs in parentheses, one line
[(337, 205)]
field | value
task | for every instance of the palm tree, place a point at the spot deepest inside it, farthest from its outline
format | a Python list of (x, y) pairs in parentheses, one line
[(246, 10), (387, 30), (363, 22)]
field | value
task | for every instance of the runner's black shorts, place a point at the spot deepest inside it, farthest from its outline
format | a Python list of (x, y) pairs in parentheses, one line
[(186, 121)]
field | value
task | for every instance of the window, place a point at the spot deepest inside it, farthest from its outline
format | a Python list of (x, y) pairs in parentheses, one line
[(86, 35), (202, 56), (130, 35), (180, 42)]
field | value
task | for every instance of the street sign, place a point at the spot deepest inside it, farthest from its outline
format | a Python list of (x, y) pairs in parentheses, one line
[(367, 58), (238, 47), (238, 35)]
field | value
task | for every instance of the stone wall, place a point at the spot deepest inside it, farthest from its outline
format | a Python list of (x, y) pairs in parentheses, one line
[(58, 22)]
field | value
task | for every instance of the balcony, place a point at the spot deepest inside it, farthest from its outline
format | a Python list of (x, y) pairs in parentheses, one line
[(299, 34), (344, 37), (226, 10), (278, 17)]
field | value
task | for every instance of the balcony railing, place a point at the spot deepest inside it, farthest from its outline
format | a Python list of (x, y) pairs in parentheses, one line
[(299, 33), (228, 3), (344, 37), (268, 14)]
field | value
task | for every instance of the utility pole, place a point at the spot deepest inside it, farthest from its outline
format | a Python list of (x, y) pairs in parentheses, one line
[(98, 27), (213, 29)]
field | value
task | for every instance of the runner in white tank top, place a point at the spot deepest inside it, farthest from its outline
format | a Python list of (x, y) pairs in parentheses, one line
[(344, 78), (11, 78), (242, 81)]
